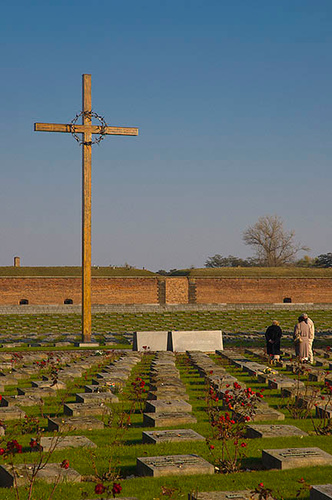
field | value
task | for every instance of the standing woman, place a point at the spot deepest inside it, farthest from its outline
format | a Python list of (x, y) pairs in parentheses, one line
[(273, 335), (302, 338)]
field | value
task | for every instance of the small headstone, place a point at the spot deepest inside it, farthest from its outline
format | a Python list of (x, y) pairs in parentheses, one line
[(90, 397), (266, 431), (20, 400), (291, 458), (168, 406), (74, 424), (170, 436), (150, 341), (167, 419), (86, 409), (11, 413), (321, 492), (222, 495), (19, 474), (63, 442), (173, 465)]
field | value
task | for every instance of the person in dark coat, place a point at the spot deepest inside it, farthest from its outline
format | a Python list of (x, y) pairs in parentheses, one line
[(273, 335)]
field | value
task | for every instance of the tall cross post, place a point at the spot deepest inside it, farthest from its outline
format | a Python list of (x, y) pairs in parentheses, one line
[(87, 130)]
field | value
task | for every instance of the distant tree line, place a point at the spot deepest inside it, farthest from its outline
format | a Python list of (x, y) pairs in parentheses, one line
[(273, 246), (322, 261)]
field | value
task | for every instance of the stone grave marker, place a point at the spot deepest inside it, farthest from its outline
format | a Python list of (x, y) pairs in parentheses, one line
[(167, 419), (170, 436), (90, 397), (168, 406), (173, 465), (73, 424), (221, 495), (262, 431), (197, 340), (49, 473), (321, 492), (265, 412), (291, 458), (150, 341), (280, 382), (11, 413), (41, 392), (63, 442), (86, 409), (20, 400), (324, 410)]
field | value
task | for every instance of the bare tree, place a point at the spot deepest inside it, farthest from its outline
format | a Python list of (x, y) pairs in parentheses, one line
[(274, 246)]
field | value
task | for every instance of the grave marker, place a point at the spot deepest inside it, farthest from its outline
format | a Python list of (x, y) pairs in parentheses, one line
[(291, 458), (173, 465)]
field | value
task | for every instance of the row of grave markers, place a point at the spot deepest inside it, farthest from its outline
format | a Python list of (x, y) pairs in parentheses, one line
[(167, 406)]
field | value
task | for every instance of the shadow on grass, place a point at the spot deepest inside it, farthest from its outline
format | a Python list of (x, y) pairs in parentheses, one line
[(128, 470)]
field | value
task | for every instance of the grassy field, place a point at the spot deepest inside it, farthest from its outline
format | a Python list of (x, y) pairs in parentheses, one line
[(221, 272), (256, 320), (123, 454), (261, 272), (72, 271)]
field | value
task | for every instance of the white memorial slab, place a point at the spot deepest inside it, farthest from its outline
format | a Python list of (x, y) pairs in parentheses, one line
[(150, 341), (195, 340)]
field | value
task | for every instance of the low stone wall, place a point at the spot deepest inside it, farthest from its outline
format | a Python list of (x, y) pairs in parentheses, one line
[(142, 308)]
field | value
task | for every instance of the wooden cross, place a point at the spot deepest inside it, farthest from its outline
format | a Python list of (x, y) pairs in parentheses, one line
[(86, 129)]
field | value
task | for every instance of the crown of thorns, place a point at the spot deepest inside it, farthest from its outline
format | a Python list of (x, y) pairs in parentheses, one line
[(90, 115)]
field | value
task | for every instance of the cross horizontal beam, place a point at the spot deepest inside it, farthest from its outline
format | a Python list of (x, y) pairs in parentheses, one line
[(81, 129)]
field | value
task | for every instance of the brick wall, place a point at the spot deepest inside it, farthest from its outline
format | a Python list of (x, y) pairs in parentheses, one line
[(41, 290), (174, 290), (177, 290), (263, 290)]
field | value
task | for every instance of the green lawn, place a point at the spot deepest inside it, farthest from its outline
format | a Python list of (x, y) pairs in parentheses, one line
[(231, 321), (123, 454)]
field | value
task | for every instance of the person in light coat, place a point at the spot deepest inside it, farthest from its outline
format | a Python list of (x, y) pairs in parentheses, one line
[(312, 336), (302, 337)]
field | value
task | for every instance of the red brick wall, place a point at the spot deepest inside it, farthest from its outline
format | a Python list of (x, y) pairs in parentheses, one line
[(177, 290), (144, 290), (263, 290), (38, 291)]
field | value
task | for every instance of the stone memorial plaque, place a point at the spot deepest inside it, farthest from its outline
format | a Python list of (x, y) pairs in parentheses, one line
[(282, 382), (74, 424), (170, 436), (150, 341), (20, 400), (167, 419), (196, 340), (291, 458), (266, 431), (48, 383), (11, 413), (317, 376), (265, 412), (324, 410), (63, 442), (41, 392), (86, 409), (168, 406), (50, 473), (321, 492), (222, 495), (90, 397), (173, 465)]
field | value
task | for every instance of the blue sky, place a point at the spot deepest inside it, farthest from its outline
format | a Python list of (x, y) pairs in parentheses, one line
[(233, 104)]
